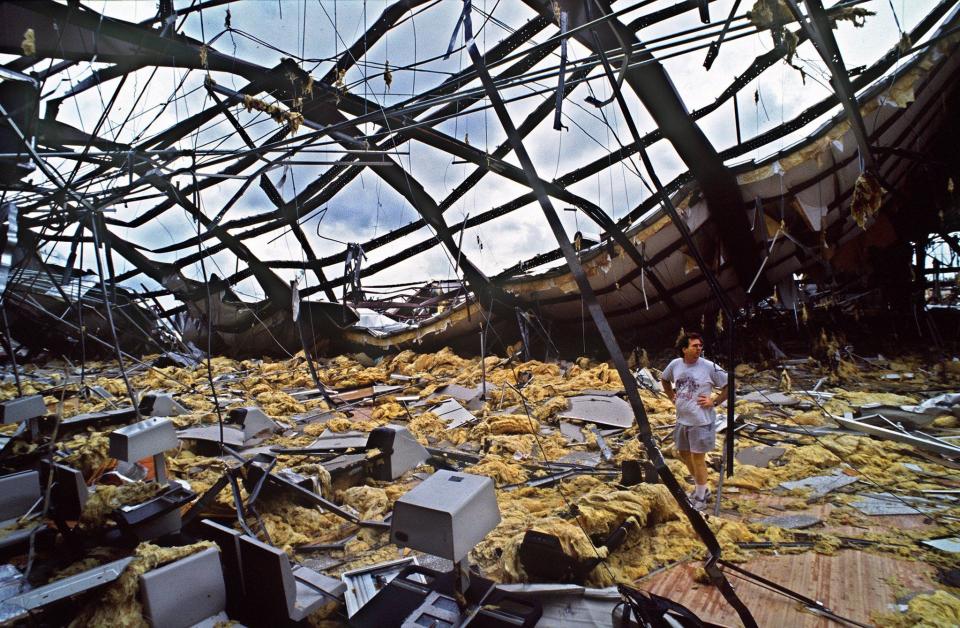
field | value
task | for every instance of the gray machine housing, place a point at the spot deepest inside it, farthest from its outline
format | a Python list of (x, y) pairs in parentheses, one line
[(143, 439), (401, 451), (446, 515), (22, 409)]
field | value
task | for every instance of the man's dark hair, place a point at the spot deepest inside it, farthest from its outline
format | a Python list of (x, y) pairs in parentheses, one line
[(684, 341)]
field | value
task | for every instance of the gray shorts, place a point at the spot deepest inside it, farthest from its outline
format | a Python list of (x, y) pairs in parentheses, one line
[(698, 439)]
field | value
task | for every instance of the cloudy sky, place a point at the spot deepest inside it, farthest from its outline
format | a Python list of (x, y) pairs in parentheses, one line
[(314, 33)]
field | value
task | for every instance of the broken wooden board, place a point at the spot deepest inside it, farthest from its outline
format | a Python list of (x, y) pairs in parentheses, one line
[(851, 583)]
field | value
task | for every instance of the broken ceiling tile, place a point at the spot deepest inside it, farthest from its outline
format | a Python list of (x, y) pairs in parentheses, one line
[(600, 409), (453, 413), (759, 455), (879, 504), (340, 440), (820, 485), (949, 545), (792, 522), (770, 397), (572, 432)]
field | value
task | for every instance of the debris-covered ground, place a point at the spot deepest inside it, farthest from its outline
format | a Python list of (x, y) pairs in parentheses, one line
[(556, 471)]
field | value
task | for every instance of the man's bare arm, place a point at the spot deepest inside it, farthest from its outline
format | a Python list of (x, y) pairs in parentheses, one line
[(668, 388), (724, 393)]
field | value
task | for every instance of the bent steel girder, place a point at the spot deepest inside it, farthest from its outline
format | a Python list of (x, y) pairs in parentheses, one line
[(184, 53), (818, 28), (475, 157), (85, 34), (326, 186), (371, 36), (283, 210), (415, 194), (645, 434), (76, 33), (653, 87)]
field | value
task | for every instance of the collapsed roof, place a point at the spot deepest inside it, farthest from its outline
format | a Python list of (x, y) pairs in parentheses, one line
[(273, 173), (133, 222)]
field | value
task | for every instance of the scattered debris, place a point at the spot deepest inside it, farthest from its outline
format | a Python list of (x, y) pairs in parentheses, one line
[(820, 485)]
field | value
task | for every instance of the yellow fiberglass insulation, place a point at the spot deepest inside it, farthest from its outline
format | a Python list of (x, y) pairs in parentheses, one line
[(108, 498), (867, 198), (343, 373), (305, 466), (517, 445), (388, 411), (290, 525), (876, 459), (860, 398), (550, 408), (928, 610), (444, 363), (428, 428), (279, 404), (810, 417), (946, 421), (527, 446), (505, 424), (369, 501), (340, 423), (504, 471), (89, 453), (601, 377), (751, 477), (398, 488), (117, 605), (572, 540), (673, 541), (765, 13), (602, 508)]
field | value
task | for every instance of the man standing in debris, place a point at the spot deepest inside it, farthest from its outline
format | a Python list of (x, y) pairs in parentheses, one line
[(689, 382)]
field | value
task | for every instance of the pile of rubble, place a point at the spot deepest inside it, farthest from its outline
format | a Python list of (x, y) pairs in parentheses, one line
[(489, 490)]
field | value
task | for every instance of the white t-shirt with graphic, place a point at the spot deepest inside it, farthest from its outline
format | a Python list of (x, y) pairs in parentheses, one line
[(689, 382)]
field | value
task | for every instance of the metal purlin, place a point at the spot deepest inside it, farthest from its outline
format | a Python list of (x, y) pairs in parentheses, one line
[(606, 333)]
